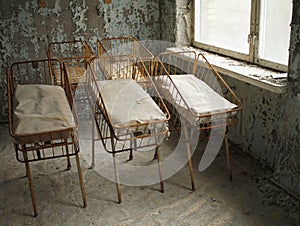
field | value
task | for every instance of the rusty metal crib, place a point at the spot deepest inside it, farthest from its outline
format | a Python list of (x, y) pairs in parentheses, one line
[(42, 117), (199, 100), (123, 121)]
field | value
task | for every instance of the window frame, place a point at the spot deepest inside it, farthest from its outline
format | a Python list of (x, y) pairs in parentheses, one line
[(253, 40)]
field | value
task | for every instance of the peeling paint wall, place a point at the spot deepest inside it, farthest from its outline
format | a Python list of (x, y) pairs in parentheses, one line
[(294, 65), (287, 168), (167, 11), (137, 18), (269, 130), (26, 29), (184, 22)]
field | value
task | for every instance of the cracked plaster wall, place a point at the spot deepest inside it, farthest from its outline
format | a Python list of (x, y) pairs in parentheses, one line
[(26, 29), (184, 22), (269, 130)]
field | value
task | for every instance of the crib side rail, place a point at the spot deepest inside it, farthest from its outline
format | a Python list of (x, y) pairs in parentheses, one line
[(95, 73), (33, 72), (177, 63), (162, 70), (76, 51), (143, 72), (207, 72), (115, 46), (123, 46)]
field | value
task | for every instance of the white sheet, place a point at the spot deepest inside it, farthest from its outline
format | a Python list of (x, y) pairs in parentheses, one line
[(199, 97), (40, 108), (128, 104)]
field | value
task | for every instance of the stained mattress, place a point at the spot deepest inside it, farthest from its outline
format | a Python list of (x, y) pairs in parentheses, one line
[(41, 113), (128, 104), (202, 103)]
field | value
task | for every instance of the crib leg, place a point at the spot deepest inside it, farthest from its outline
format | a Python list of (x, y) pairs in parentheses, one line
[(134, 149), (130, 155), (81, 181), (188, 149), (68, 162), (117, 179), (68, 157), (229, 170), (190, 165), (93, 143), (28, 173), (157, 154)]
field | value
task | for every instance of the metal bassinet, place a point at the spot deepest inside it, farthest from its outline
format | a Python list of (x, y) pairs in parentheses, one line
[(198, 98), (42, 117), (129, 113)]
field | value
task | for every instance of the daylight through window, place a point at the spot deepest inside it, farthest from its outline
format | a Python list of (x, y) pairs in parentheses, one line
[(257, 31)]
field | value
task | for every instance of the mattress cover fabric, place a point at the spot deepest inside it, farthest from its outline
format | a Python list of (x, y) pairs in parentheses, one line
[(202, 101), (128, 104), (40, 109)]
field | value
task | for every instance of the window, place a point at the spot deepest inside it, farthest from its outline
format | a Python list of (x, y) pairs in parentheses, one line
[(257, 31)]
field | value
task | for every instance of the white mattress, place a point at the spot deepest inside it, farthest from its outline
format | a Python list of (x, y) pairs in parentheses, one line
[(199, 97), (128, 104), (39, 109)]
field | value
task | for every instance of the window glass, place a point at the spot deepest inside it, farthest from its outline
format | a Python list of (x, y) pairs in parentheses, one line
[(274, 35), (223, 24), (258, 35)]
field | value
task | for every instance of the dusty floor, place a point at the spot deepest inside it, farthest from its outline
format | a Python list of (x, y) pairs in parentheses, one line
[(251, 199)]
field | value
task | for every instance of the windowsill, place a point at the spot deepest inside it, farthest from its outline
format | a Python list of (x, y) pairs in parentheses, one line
[(266, 79)]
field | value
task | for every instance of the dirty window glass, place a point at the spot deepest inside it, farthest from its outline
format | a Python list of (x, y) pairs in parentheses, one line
[(257, 31), (275, 18), (223, 24)]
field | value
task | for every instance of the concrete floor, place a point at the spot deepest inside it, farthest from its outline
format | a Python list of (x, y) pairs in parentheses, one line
[(251, 199)]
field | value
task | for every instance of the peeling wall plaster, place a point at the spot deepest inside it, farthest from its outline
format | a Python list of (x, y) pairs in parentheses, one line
[(167, 10), (28, 26), (139, 18), (294, 66), (269, 130), (26, 29), (184, 22), (79, 9)]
